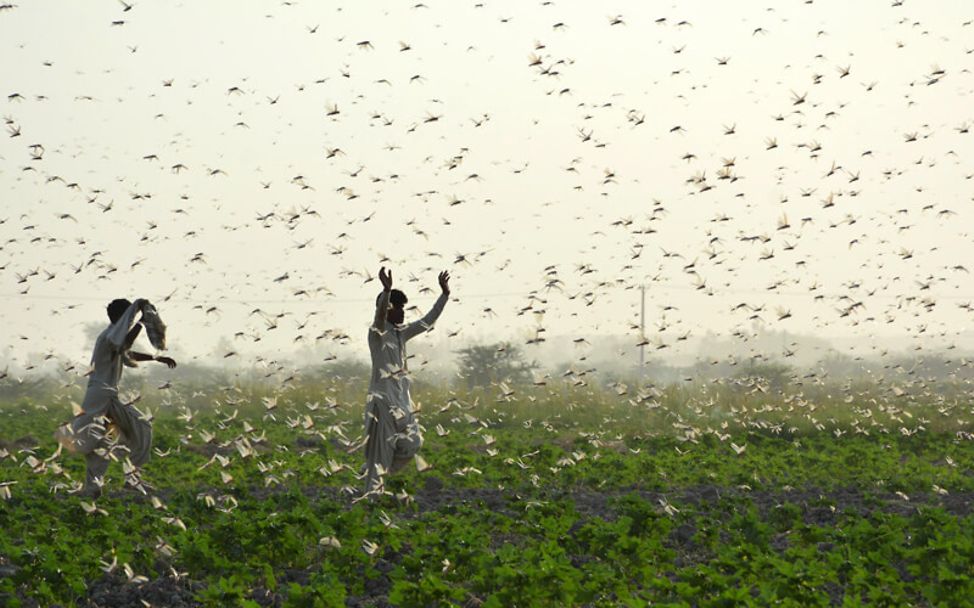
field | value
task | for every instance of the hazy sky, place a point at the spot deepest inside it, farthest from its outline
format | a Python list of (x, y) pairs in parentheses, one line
[(238, 156)]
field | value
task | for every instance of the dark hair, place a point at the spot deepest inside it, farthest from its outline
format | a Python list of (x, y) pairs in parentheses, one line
[(117, 308), (396, 298)]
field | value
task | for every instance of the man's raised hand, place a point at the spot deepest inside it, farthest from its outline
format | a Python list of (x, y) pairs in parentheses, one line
[(385, 277), (445, 281)]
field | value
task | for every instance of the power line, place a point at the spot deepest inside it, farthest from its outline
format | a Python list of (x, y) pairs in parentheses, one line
[(483, 296)]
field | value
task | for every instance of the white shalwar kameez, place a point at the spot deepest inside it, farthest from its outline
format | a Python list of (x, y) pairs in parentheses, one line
[(86, 433), (392, 433)]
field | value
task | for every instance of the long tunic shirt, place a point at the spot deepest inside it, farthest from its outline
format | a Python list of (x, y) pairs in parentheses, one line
[(107, 360), (393, 436)]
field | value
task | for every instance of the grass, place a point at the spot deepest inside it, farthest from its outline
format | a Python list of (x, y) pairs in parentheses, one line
[(692, 494)]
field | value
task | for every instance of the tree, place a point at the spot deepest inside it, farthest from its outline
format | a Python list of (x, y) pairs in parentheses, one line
[(839, 365), (482, 365), (777, 376), (349, 370)]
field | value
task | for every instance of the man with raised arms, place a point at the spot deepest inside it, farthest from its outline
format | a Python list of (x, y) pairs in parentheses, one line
[(392, 434)]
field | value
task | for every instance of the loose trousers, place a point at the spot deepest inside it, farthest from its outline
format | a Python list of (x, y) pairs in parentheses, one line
[(393, 439), (91, 434)]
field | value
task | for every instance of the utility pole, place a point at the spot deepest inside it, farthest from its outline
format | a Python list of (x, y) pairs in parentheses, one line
[(642, 331)]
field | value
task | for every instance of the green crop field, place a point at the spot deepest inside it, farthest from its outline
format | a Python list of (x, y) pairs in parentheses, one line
[(702, 495)]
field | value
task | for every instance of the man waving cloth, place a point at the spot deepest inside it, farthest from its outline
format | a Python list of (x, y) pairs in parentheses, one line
[(392, 434), (102, 411)]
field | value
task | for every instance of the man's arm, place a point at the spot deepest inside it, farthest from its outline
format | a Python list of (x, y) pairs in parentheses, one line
[(426, 323), (131, 336), (144, 357), (382, 308)]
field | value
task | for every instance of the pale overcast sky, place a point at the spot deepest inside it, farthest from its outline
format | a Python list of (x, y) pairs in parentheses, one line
[(795, 156)]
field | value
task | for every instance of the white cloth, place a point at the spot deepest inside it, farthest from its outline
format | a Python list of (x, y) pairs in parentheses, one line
[(155, 329), (392, 434)]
